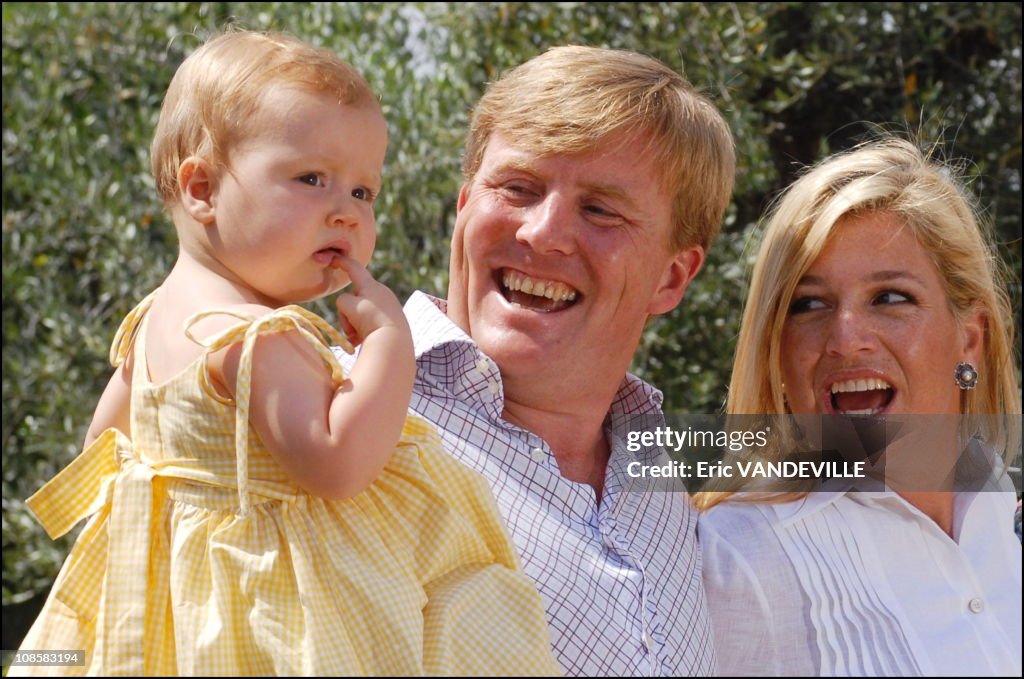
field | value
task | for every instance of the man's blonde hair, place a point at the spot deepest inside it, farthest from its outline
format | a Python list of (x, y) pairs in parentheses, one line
[(215, 96), (571, 99)]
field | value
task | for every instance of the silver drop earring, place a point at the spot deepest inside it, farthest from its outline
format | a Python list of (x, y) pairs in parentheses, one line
[(966, 376)]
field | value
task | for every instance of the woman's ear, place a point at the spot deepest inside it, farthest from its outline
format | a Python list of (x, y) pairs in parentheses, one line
[(197, 184), (972, 328)]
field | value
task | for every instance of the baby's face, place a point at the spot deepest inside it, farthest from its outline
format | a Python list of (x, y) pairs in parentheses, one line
[(299, 190)]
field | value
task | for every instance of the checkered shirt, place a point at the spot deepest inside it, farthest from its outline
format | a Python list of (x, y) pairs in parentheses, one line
[(620, 581)]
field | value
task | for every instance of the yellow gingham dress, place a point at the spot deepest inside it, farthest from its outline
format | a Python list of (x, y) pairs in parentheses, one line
[(201, 557)]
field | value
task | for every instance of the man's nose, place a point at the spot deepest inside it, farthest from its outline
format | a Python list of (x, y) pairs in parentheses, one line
[(549, 227)]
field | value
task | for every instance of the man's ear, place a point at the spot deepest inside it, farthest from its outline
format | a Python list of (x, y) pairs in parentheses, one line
[(676, 277), (197, 185), (458, 276)]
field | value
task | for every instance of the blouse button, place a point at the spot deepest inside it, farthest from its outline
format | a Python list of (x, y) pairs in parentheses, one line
[(976, 605)]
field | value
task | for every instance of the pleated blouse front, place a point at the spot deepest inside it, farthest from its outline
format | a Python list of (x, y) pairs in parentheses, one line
[(858, 584)]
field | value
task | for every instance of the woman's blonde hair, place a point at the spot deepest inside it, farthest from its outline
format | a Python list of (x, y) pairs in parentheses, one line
[(893, 176), (571, 99), (215, 95)]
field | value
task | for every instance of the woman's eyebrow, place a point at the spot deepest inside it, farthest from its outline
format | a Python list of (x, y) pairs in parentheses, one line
[(883, 276)]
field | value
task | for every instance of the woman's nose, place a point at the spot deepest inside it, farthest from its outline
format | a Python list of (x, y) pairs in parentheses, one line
[(849, 333)]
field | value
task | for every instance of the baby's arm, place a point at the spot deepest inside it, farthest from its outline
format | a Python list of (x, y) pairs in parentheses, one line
[(334, 442), (113, 407)]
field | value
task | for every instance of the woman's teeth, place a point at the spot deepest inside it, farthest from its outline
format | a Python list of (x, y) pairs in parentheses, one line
[(867, 396)]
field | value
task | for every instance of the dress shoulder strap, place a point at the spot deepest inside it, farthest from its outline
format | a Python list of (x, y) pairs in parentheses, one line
[(126, 333), (315, 330)]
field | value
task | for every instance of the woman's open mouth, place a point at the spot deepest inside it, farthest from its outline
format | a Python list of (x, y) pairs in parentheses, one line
[(869, 396), (536, 294)]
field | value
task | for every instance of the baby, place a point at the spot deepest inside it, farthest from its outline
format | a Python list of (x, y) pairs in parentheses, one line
[(253, 510)]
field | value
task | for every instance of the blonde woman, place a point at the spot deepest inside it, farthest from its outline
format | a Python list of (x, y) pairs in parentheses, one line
[(874, 294)]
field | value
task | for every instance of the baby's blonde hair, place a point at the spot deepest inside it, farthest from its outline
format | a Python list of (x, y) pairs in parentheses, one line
[(572, 98), (215, 95)]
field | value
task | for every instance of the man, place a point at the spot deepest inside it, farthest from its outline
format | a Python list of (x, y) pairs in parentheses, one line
[(595, 181)]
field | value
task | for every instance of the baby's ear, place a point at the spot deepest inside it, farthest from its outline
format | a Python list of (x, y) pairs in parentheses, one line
[(197, 183)]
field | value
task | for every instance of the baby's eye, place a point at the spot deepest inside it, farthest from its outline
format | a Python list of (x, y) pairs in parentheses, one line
[(804, 304), (312, 179), (363, 193)]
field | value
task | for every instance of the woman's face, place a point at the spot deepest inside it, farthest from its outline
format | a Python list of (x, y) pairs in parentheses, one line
[(870, 330)]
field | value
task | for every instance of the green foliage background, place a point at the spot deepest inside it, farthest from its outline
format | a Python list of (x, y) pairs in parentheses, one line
[(84, 236)]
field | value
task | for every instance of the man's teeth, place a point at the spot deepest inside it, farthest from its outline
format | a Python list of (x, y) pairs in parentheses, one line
[(517, 282), (869, 384)]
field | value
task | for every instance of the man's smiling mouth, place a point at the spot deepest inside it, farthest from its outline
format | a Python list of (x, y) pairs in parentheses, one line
[(536, 294)]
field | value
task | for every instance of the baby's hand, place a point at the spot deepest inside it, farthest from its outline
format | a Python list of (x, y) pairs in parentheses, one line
[(368, 306)]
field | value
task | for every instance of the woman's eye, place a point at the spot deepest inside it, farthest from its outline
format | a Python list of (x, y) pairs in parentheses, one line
[(893, 297), (804, 304), (312, 179)]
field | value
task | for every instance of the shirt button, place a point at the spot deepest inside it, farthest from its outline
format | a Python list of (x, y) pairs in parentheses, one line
[(483, 365), (977, 605), (494, 386), (538, 455), (648, 641)]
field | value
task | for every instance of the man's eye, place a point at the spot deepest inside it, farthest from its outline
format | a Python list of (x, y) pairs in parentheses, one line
[(599, 211), (516, 189), (804, 304), (312, 179), (601, 216)]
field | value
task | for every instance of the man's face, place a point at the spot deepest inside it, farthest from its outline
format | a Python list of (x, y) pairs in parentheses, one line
[(557, 261)]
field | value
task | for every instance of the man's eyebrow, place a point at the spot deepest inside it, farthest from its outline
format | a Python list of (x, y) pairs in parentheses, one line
[(611, 191), (517, 165)]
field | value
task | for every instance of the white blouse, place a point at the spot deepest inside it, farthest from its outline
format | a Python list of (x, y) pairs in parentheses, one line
[(844, 583)]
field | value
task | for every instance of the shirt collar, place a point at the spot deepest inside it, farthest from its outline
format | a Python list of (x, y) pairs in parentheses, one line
[(433, 329), (447, 354), (869, 489)]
